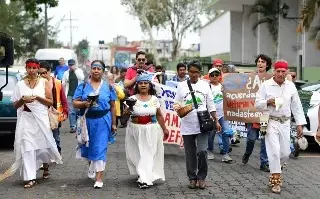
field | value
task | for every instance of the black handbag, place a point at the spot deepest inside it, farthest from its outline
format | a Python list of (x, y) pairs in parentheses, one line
[(206, 122)]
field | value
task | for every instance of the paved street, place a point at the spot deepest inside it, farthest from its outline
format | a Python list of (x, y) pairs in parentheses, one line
[(69, 181)]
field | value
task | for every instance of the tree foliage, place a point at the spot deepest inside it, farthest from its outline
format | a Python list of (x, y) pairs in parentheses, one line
[(34, 7), (143, 9), (179, 16), (269, 15), (308, 13), (28, 32), (82, 50)]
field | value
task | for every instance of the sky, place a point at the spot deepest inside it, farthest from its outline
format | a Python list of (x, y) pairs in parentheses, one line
[(102, 20)]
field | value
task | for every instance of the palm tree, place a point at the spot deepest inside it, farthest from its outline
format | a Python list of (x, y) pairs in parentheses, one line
[(269, 12), (308, 13)]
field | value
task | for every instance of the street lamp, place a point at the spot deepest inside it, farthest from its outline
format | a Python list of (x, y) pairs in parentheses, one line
[(284, 9)]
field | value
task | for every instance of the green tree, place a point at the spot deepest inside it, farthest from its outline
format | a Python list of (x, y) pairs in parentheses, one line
[(28, 32), (180, 16), (308, 13), (269, 15), (82, 50), (150, 57), (34, 7), (148, 14)]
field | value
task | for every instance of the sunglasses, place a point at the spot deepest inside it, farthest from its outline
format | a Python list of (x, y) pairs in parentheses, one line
[(141, 60), (293, 76), (214, 74), (43, 73)]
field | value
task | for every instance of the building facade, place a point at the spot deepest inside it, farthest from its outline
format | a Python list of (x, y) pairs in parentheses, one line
[(232, 32)]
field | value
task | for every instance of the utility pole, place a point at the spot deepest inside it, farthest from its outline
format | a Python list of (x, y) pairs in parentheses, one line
[(101, 43), (71, 27), (46, 39)]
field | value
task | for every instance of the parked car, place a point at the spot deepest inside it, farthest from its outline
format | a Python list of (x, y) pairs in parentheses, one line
[(311, 113), (8, 114)]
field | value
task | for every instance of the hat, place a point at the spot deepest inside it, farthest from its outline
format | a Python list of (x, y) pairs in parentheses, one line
[(217, 61), (145, 77), (71, 62), (281, 64), (214, 70)]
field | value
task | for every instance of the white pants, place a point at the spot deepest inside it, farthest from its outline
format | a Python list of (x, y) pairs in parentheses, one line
[(277, 144), (31, 162)]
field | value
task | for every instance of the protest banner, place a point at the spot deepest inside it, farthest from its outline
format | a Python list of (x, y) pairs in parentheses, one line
[(239, 93), (239, 127), (166, 96)]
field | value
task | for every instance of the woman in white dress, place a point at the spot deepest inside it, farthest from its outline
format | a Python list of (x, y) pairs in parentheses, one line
[(34, 142), (145, 133)]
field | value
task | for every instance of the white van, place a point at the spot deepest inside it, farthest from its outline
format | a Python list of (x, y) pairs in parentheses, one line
[(52, 55)]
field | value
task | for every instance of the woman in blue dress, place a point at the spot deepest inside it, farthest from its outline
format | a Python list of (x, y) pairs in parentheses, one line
[(100, 117)]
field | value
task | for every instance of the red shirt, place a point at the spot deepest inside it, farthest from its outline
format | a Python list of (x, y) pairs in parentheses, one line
[(132, 73)]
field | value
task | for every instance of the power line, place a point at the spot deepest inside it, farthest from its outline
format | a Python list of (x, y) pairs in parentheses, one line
[(71, 27)]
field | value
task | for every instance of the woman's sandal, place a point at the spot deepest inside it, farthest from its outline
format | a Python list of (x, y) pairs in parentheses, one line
[(30, 184), (45, 173)]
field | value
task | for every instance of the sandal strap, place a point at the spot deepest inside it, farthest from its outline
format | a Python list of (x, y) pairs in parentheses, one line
[(30, 184)]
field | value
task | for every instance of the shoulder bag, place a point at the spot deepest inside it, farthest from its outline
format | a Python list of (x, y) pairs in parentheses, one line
[(206, 122), (52, 111)]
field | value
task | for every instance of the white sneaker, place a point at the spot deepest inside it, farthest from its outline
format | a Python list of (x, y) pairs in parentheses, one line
[(98, 185), (210, 155), (226, 158)]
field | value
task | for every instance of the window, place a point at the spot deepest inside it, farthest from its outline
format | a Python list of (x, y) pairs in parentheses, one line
[(8, 90)]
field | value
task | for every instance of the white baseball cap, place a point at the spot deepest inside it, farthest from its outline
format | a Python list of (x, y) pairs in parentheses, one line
[(214, 70)]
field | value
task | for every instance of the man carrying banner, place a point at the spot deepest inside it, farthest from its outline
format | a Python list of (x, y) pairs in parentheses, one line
[(263, 63), (279, 97)]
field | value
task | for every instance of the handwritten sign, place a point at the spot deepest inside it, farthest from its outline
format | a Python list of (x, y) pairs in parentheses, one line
[(167, 95), (239, 94)]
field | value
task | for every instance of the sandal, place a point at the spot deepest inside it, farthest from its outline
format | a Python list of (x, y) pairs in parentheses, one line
[(30, 184), (45, 173), (275, 181)]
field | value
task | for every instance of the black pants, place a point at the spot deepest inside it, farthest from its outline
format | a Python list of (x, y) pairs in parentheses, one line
[(123, 119), (195, 147)]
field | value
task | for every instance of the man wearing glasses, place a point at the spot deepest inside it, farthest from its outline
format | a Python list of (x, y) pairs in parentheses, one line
[(134, 71), (70, 81)]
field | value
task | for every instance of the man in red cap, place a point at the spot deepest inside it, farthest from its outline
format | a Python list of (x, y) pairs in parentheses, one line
[(279, 97), (216, 63)]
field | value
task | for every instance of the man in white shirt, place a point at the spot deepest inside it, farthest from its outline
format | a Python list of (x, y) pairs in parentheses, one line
[(279, 97)]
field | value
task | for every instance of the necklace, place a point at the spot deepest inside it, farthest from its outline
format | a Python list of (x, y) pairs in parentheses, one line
[(35, 83)]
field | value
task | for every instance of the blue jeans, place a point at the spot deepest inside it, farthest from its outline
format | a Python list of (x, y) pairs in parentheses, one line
[(56, 136), (72, 115), (223, 136), (292, 147), (252, 136)]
